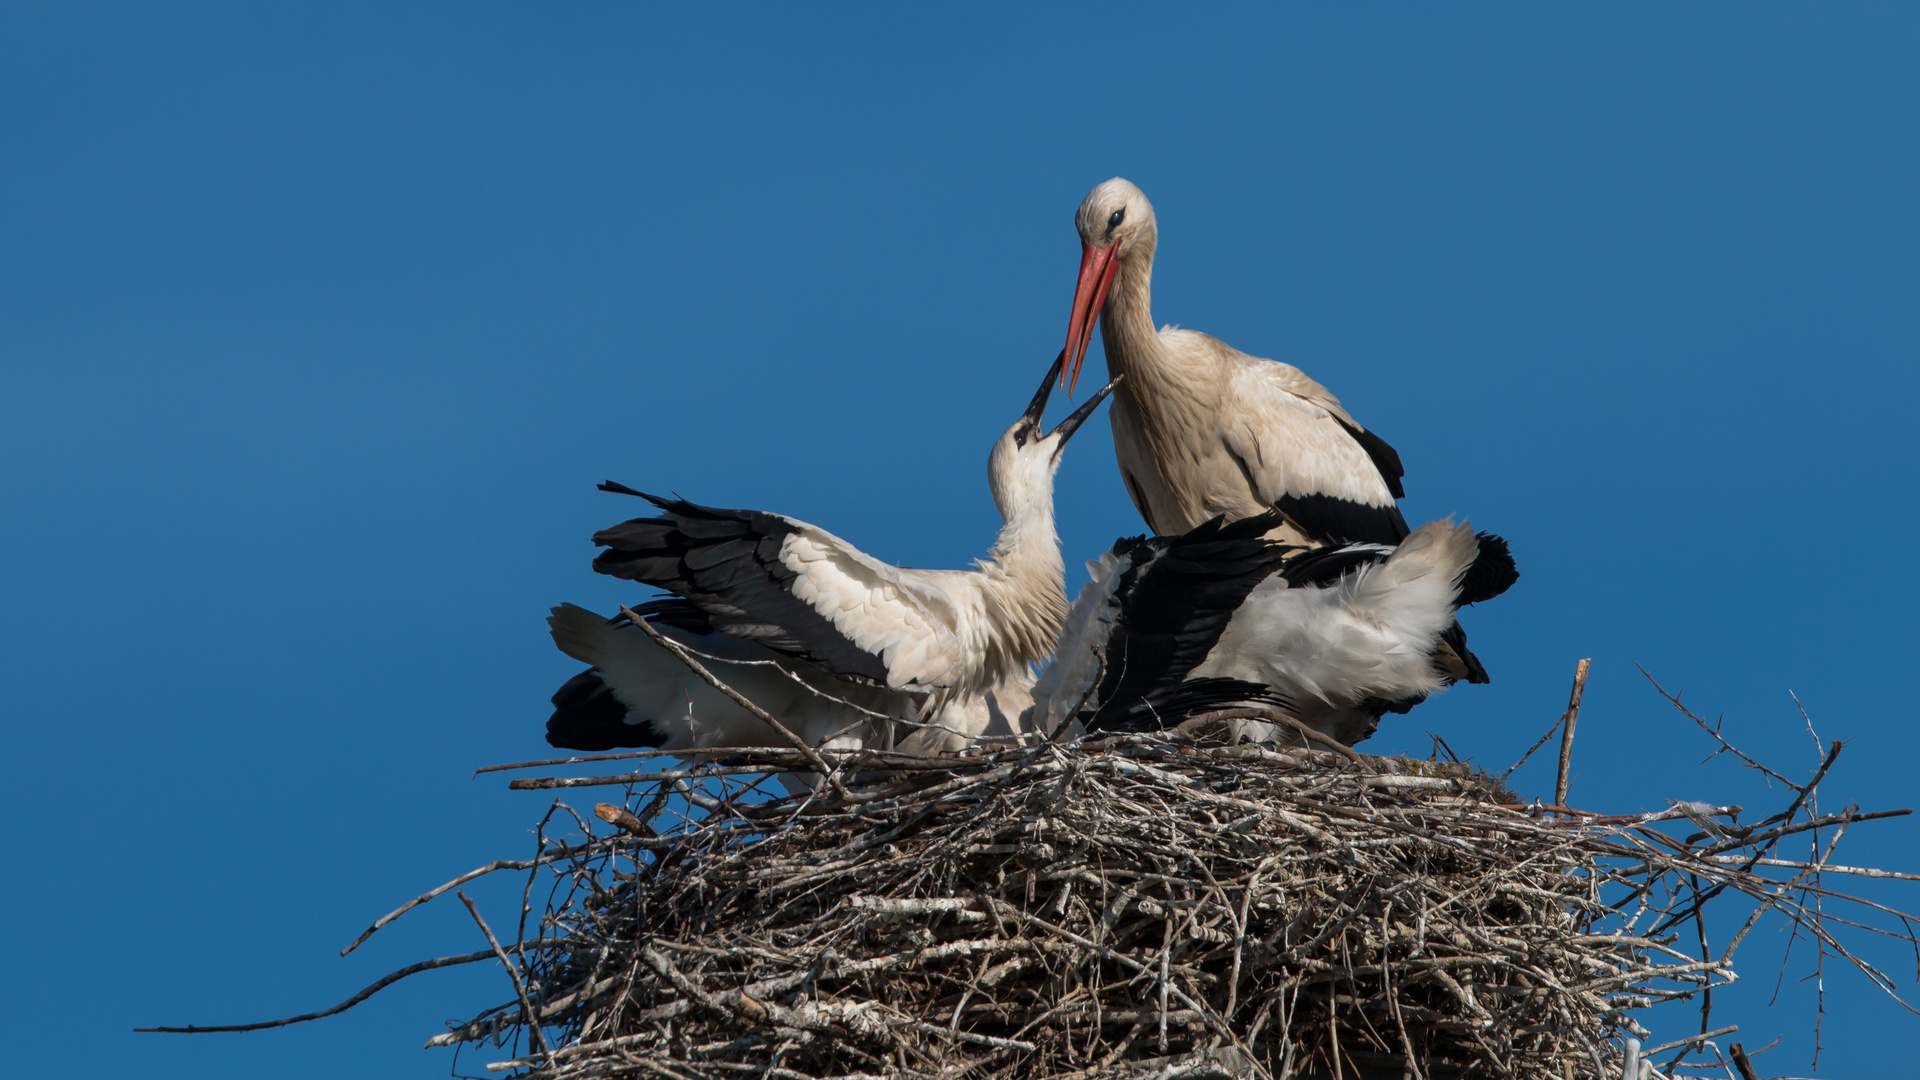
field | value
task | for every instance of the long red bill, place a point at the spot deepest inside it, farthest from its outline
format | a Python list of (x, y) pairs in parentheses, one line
[(1097, 269)]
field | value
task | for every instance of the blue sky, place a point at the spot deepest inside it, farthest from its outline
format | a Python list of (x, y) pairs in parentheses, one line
[(317, 328)]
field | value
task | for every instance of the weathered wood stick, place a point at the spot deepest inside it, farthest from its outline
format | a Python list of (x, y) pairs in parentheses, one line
[(1571, 717), (1739, 1055), (624, 819)]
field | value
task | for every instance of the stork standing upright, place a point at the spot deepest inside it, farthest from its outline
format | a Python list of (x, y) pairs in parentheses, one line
[(1202, 429), (841, 647)]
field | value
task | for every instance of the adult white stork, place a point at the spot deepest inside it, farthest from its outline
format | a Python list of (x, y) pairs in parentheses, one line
[(1202, 429), (841, 647), (1224, 616)]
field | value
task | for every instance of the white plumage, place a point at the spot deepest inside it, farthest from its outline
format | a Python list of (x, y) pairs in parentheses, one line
[(1368, 635), (686, 713), (1201, 429), (1223, 616), (835, 643)]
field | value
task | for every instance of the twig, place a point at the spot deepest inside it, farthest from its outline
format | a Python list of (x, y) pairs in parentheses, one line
[(1567, 721), (378, 985), (497, 864), (1714, 730), (828, 774), (578, 759), (1511, 769), (1692, 1040), (1275, 716), (513, 972)]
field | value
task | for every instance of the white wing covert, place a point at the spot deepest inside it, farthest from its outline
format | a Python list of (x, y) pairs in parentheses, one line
[(882, 609)]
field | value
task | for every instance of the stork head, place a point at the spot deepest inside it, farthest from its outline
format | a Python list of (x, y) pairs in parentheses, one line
[(1116, 223), (1020, 468)]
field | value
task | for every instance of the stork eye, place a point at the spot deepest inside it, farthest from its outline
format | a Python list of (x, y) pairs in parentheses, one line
[(1118, 216)]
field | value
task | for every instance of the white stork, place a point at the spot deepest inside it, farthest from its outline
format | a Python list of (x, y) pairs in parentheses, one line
[(841, 647), (1224, 616), (1202, 429)]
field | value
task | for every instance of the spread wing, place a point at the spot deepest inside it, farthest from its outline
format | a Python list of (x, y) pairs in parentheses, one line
[(792, 587)]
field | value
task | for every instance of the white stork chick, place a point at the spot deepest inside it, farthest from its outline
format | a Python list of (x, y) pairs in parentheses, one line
[(835, 643), (1223, 616), (1202, 429)]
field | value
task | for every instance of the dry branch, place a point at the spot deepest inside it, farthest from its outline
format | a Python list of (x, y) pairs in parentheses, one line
[(1130, 907), (1567, 722)]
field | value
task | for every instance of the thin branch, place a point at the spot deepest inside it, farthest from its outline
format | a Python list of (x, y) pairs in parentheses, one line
[(827, 773), (380, 984), (1511, 769), (513, 972), (1275, 716), (1714, 730)]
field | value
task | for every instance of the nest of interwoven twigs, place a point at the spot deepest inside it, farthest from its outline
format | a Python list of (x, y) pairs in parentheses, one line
[(1124, 907), (1149, 905)]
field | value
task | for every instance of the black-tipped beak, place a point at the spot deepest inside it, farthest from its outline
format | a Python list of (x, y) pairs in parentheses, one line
[(1079, 416), (1039, 406)]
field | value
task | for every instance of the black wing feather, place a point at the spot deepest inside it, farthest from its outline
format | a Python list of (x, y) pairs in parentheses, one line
[(586, 716), (1179, 593), (1492, 573), (1326, 566), (1343, 521), (726, 564), (1166, 706), (1384, 457), (1175, 601)]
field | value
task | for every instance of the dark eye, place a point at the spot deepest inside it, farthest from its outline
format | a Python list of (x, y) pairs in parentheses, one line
[(1118, 216)]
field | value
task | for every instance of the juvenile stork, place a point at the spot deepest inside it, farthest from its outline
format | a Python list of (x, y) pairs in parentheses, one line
[(1224, 616), (843, 648), (1202, 429)]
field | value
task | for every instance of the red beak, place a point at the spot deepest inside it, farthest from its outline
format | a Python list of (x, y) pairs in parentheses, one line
[(1097, 267)]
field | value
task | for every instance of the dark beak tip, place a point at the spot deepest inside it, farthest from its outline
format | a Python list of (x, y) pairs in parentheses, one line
[(1079, 416)]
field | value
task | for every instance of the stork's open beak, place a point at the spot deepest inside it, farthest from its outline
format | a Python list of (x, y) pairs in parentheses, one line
[(1039, 406), (1097, 268), (1079, 416)]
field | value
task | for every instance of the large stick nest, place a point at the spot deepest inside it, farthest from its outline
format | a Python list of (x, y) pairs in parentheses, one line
[(1128, 907)]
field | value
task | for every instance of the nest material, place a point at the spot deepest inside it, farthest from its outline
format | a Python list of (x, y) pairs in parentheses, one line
[(1131, 907)]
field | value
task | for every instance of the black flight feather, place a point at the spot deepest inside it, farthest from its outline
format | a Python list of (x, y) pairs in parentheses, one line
[(1343, 521), (586, 716), (1492, 573), (1175, 601), (1326, 566), (1167, 706), (726, 564), (1385, 458)]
